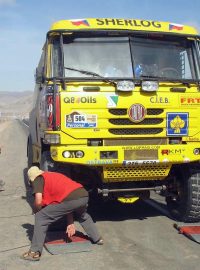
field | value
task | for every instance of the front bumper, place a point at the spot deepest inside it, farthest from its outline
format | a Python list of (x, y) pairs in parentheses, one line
[(128, 155)]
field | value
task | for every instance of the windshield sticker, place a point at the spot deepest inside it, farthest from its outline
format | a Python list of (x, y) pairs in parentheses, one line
[(112, 101), (77, 120), (173, 26), (177, 124), (80, 22)]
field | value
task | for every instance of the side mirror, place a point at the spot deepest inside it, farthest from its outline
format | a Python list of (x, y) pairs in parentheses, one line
[(39, 77)]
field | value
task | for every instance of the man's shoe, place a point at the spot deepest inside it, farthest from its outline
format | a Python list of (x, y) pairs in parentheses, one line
[(31, 256)]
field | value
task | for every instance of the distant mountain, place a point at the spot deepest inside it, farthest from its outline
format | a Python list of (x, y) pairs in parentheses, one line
[(15, 103)]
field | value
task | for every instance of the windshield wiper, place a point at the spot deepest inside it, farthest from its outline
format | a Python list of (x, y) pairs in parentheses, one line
[(94, 74), (148, 77), (173, 80)]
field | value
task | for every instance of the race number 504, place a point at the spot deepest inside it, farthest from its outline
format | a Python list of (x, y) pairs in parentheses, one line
[(79, 118)]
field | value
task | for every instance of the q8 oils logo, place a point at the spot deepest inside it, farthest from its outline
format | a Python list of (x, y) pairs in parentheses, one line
[(77, 100)]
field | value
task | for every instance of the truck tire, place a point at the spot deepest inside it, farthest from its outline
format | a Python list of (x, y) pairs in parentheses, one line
[(29, 152), (185, 206), (46, 162)]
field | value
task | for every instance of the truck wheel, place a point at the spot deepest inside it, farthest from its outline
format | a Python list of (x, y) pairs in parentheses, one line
[(46, 162), (29, 152), (184, 205)]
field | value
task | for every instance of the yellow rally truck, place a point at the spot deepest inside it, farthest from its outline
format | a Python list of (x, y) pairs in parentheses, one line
[(117, 106)]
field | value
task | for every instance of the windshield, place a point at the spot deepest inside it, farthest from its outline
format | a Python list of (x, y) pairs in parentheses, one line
[(108, 57), (131, 57), (173, 59)]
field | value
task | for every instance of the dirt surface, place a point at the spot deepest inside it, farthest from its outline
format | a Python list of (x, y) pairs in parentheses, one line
[(3, 126), (15, 105), (136, 236)]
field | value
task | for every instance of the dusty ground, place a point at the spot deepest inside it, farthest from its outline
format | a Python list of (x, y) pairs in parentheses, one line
[(3, 126), (137, 237)]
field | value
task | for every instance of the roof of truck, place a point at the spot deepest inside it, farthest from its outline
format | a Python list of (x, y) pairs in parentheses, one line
[(123, 24)]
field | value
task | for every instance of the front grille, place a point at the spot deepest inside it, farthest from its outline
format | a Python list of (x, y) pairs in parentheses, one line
[(136, 173), (124, 121), (154, 111), (135, 131), (124, 111), (120, 122), (118, 111)]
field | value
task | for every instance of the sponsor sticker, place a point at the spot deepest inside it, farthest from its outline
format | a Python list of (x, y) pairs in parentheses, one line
[(87, 99), (189, 100), (79, 120), (159, 100), (112, 101), (99, 162), (141, 147), (133, 23), (172, 152), (83, 22), (173, 26), (177, 124)]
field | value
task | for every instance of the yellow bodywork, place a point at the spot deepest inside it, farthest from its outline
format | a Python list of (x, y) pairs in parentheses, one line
[(149, 158), (123, 24)]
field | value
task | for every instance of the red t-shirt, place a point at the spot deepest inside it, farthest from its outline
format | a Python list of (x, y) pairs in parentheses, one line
[(57, 187)]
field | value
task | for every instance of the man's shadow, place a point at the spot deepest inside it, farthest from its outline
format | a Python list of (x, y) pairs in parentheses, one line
[(30, 199), (29, 230)]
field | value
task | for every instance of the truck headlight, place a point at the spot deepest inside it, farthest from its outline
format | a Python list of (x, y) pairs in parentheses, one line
[(79, 154), (125, 86), (51, 138), (150, 86), (73, 154), (66, 154), (196, 151)]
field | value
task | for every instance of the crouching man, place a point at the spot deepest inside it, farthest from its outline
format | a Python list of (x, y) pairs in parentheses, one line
[(56, 196)]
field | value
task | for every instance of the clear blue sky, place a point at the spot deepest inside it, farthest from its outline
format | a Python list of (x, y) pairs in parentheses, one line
[(24, 23)]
